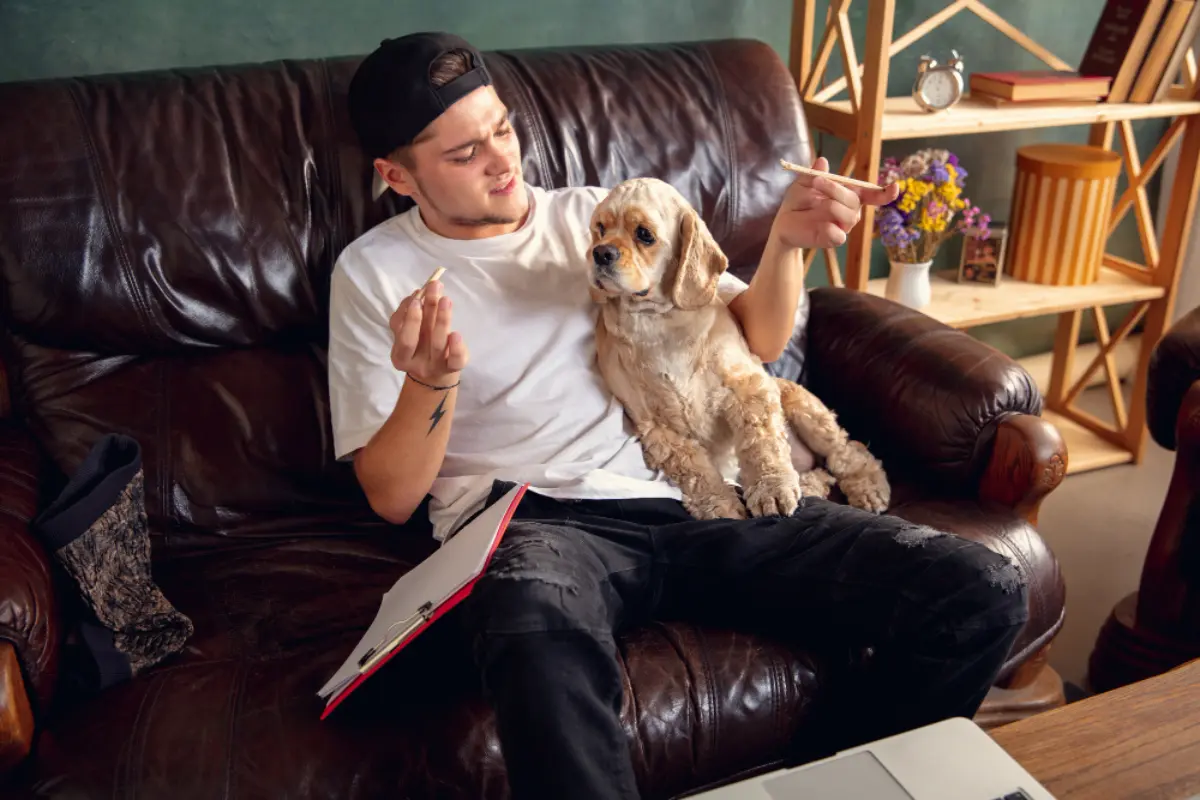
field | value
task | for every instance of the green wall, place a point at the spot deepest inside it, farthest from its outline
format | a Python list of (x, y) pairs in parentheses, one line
[(40, 39), (43, 38)]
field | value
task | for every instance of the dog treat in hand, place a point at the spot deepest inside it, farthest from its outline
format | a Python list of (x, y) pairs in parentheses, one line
[(437, 273), (833, 176)]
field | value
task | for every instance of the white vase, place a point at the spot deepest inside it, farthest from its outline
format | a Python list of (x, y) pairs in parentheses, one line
[(908, 284)]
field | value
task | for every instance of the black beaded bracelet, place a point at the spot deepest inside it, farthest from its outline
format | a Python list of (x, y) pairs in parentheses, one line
[(431, 386)]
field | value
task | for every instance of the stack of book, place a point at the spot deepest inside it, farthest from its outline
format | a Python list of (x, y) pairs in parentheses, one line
[(1031, 87), (1135, 55), (1141, 46)]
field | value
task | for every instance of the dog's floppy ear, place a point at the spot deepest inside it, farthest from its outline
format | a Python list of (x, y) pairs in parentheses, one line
[(701, 263)]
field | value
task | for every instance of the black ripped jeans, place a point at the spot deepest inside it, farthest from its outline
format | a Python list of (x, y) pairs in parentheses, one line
[(940, 613)]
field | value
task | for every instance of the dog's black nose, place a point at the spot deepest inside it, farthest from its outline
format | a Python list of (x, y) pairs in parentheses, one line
[(605, 255)]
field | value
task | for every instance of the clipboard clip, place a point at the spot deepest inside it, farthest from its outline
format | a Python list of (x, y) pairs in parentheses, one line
[(374, 654)]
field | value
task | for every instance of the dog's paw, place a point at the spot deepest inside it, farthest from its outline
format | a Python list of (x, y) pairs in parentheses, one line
[(866, 494), (868, 489), (816, 483), (723, 504), (861, 478), (774, 495)]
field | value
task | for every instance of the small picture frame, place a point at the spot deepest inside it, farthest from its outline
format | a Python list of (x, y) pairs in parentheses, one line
[(982, 260)]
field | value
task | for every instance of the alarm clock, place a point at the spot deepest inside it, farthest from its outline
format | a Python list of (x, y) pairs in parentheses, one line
[(939, 86)]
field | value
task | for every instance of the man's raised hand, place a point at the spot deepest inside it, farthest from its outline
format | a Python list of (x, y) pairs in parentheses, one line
[(423, 344)]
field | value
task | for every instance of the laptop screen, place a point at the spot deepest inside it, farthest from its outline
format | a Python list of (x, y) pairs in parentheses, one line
[(857, 775)]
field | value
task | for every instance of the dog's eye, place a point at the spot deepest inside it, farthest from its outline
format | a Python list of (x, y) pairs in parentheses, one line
[(600, 228), (644, 236)]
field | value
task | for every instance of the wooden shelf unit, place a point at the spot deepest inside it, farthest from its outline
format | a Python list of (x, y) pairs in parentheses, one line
[(866, 117), (902, 118), (966, 305)]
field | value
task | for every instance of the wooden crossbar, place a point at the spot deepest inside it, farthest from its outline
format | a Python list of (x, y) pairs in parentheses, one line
[(1093, 424), (898, 45), (825, 50), (849, 60), (1106, 349), (1159, 154), (1008, 29), (1128, 268), (1145, 220), (1110, 368)]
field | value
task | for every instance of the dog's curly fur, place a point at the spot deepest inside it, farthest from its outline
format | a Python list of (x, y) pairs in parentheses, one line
[(673, 354)]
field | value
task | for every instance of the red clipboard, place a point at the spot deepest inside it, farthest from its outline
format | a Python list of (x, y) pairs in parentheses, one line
[(423, 595)]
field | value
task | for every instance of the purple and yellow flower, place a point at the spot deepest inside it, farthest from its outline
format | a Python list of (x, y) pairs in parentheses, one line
[(914, 166), (938, 172), (930, 206)]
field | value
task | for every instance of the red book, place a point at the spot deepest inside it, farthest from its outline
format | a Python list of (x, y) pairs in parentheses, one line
[(422, 596), (1043, 84)]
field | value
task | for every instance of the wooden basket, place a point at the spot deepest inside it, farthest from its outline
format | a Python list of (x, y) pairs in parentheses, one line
[(1059, 214)]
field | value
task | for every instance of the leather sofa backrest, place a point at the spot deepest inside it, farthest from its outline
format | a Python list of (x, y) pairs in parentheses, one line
[(166, 241)]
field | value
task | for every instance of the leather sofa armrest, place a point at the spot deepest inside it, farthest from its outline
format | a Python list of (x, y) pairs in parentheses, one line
[(1029, 459), (29, 609), (929, 400), (1174, 367)]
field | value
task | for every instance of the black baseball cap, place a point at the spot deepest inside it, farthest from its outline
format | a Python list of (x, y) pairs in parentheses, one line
[(391, 97)]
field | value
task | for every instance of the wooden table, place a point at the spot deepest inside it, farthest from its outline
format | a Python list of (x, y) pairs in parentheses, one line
[(1141, 741)]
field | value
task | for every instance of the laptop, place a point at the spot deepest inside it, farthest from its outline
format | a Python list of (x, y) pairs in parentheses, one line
[(953, 759)]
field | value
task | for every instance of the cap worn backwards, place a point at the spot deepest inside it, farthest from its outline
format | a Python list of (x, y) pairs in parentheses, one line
[(391, 96)]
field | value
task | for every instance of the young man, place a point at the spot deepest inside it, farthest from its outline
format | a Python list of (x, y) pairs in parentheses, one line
[(601, 542)]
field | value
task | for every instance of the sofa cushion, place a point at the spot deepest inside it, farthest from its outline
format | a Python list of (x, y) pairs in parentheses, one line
[(237, 715), (236, 443)]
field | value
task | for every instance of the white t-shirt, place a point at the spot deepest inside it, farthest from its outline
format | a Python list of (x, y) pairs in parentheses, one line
[(532, 405)]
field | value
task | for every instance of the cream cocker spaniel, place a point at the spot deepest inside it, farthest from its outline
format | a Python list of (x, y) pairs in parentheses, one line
[(673, 354)]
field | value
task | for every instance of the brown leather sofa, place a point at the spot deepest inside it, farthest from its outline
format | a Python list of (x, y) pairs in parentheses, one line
[(166, 241), (1157, 628)]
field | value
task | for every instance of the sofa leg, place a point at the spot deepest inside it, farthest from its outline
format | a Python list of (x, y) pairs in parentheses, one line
[(1029, 671), (1126, 652), (16, 717), (1042, 690)]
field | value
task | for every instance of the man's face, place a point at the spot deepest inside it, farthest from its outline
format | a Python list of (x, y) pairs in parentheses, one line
[(465, 170)]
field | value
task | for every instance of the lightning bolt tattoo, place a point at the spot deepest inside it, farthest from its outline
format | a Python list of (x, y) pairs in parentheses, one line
[(437, 415)]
